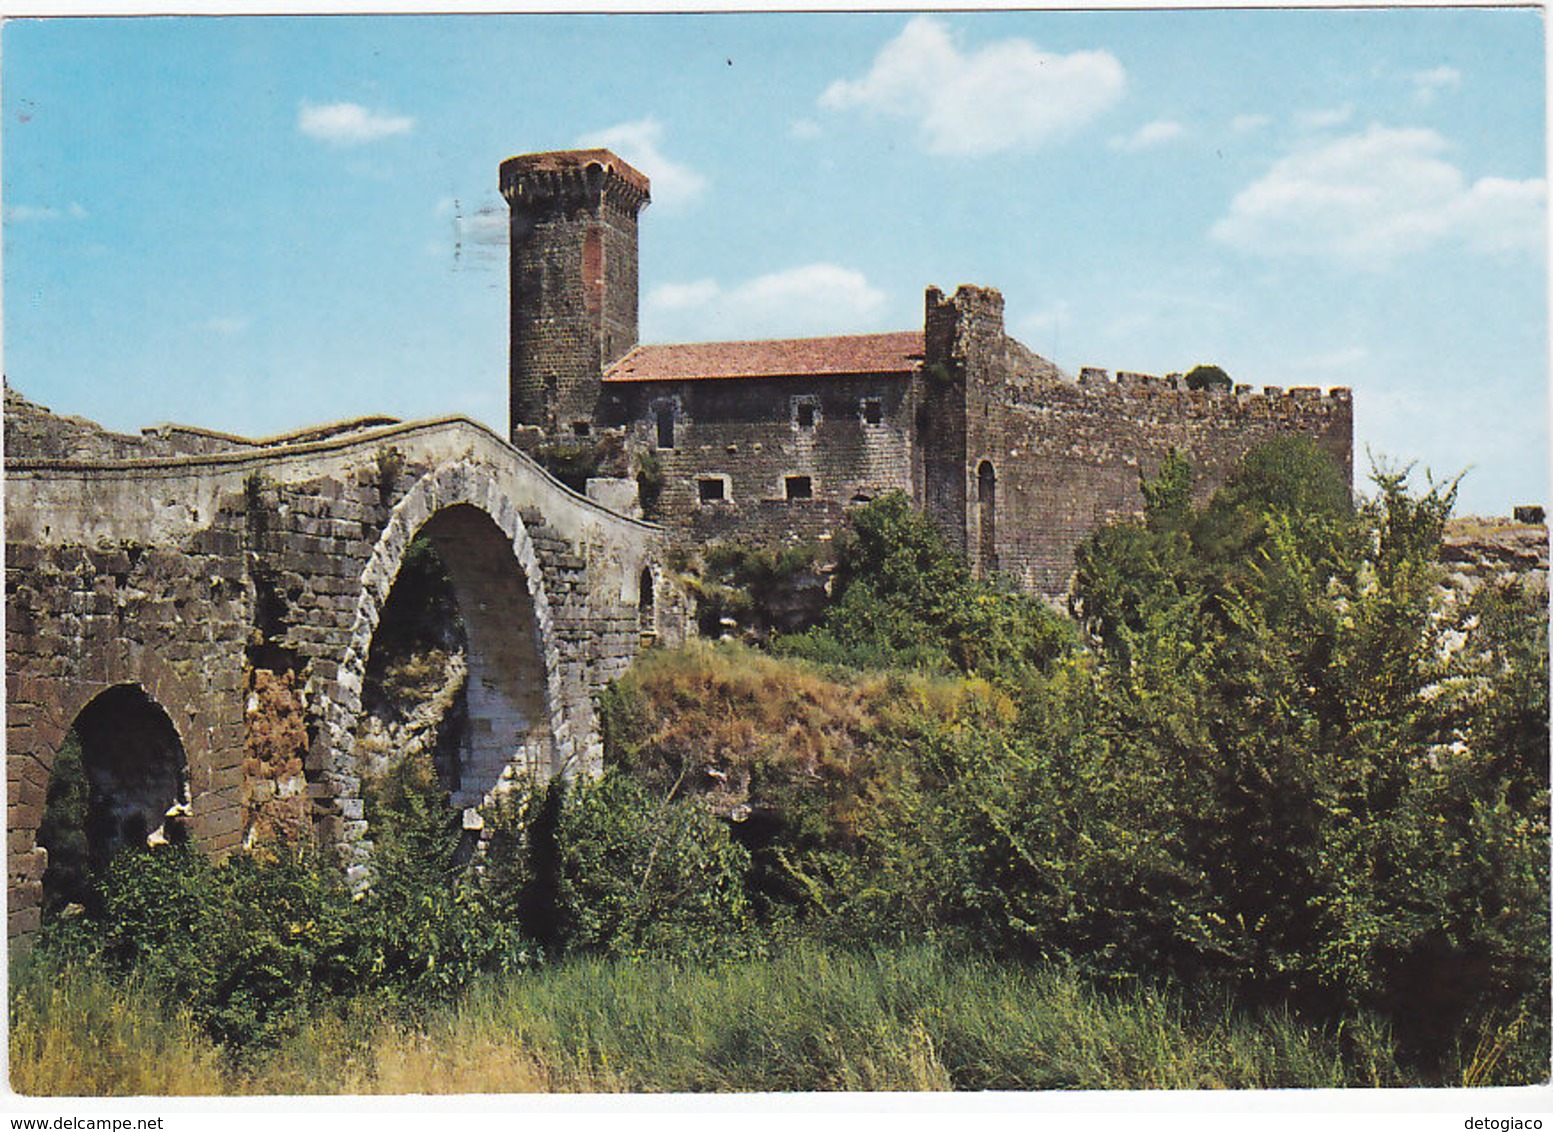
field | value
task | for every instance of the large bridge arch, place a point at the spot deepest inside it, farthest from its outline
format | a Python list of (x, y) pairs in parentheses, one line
[(518, 723)]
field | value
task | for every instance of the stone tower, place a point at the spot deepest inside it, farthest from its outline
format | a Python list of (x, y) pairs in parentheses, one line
[(574, 281)]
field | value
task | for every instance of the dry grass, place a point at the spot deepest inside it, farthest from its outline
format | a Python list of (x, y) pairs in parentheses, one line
[(74, 1033), (740, 712)]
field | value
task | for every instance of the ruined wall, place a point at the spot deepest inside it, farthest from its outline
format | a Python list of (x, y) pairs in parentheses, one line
[(1045, 460), (241, 591), (1476, 550), (83, 616), (1069, 459), (751, 436), (34, 432)]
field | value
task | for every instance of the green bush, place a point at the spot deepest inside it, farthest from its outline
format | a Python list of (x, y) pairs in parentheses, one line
[(1207, 377), (249, 946), (1349, 801), (902, 598), (69, 878), (256, 943), (759, 588), (427, 924), (639, 873)]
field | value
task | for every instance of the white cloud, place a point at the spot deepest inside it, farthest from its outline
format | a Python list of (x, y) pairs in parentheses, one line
[(672, 183), (1368, 199), (1151, 136), (1008, 95), (1249, 123), (805, 129), (1427, 84), (348, 123), (1324, 119), (817, 298), (1041, 323), (31, 213), (1345, 357)]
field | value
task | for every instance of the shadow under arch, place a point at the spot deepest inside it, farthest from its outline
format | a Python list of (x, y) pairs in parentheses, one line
[(515, 717), (119, 780), (508, 717)]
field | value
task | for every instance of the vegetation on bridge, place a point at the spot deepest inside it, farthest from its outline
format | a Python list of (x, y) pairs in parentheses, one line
[(1271, 812)]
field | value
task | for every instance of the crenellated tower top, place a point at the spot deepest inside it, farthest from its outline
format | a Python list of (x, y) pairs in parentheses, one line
[(586, 177)]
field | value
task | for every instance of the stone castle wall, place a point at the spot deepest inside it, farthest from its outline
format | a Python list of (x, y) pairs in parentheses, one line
[(753, 435), (1044, 461), (1013, 460), (1068, 458)]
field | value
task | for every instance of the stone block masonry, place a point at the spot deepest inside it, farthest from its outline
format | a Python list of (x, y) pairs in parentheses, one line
[(775, 458), (239, 591), (573, 280), (1023, 463)]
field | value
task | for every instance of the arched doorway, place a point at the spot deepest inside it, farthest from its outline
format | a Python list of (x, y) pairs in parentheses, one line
[(987, 518), (119, 780)]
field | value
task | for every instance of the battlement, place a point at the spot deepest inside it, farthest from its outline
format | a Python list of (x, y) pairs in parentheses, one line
[(1095, 379), (573, 177), (947, 322)]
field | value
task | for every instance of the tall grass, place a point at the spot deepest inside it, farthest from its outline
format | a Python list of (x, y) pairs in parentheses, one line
[(813, 1019), (820, 1019), (76, 1033)]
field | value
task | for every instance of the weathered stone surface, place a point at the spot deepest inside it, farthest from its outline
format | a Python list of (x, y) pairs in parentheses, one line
[(239, 590), (1476, 549)]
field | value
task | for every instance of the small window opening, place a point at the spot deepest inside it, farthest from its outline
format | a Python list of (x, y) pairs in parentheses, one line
[(581, 428), (806, 412), (711, 489), (873, 411), (800, 487), (644, 600)]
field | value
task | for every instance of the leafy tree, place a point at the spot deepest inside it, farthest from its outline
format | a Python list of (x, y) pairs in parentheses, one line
[(1207, 377), (1355, 827), (62, 832)]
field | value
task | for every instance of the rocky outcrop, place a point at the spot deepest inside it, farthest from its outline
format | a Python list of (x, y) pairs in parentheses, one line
[(1476, 549)]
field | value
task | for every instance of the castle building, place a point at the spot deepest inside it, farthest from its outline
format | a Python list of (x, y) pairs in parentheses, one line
[(773, 441)]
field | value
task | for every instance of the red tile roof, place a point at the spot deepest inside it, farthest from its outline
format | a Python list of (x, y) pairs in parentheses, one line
[(848, 355)]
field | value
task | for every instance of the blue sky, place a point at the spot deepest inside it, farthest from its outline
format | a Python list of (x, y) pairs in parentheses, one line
[(254, 224)]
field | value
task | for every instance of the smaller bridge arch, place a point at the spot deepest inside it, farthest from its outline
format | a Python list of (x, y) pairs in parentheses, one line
[(118, 779)]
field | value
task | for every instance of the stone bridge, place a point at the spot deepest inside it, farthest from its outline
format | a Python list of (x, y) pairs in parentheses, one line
[(204, 606)]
